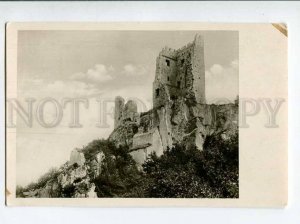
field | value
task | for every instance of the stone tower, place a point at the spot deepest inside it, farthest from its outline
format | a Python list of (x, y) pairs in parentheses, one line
[(119, 108), (180, 73), (179, 114), (125, 112)]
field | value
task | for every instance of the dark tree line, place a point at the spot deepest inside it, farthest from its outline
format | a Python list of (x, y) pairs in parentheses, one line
[(178, 173)]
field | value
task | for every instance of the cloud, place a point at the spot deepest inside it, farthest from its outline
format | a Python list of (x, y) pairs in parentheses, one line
[(63, 139), (216, 69), (94, 81), (99, 73), (132, 70), (222, 82), (58, 89), (70, 88)]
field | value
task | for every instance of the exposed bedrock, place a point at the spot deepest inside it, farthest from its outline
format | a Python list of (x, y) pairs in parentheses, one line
[(180, 113), (175, 122)]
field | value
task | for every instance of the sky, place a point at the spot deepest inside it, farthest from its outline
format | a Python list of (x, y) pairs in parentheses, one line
[(99, 65)]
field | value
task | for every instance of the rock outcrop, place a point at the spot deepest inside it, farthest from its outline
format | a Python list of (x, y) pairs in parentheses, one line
[(77, 157), (75, 177), (180, 113), (144, 144)]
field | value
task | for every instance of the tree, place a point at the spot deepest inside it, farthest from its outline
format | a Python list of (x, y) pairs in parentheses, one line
[(189, 173)]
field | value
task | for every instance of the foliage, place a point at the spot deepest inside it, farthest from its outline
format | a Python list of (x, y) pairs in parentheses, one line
[(19, 191), (119, 172), (180, 172), (51, 175), (96, 146), (189, 173), (221, 164)]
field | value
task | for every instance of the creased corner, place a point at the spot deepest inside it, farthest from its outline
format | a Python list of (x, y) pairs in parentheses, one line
[(281, 27)]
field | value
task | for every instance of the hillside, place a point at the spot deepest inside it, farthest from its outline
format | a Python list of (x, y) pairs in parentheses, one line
[(182, 147), (179, 172)]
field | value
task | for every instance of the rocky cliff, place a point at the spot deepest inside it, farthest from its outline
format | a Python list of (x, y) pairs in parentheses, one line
[(180, 116), (180, 113), (73, 179), (178, 120)]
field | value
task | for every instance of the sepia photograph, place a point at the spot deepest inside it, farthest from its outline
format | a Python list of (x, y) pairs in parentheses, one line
[(139, 112), (156, 112), (169, 114)]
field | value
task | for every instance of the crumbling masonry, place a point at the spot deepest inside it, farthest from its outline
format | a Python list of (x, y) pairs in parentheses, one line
[(180, 113)]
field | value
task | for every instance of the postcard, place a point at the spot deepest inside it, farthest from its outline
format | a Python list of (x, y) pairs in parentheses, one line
[(146, 114)]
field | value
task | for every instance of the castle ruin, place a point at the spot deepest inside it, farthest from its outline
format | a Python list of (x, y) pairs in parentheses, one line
[(180, 113), (180, 73)]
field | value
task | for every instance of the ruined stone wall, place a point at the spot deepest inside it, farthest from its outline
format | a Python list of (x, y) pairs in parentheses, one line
[(125, 112), (130, 111), (161, 94), (119, 107), (127, 121), (180, 113), (166, 69), (198, 70), (166, 65), (183, 78), (181, 73)]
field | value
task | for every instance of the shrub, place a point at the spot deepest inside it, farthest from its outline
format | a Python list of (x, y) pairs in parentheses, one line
[(119, 172), (181, 172), (189, 173)]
